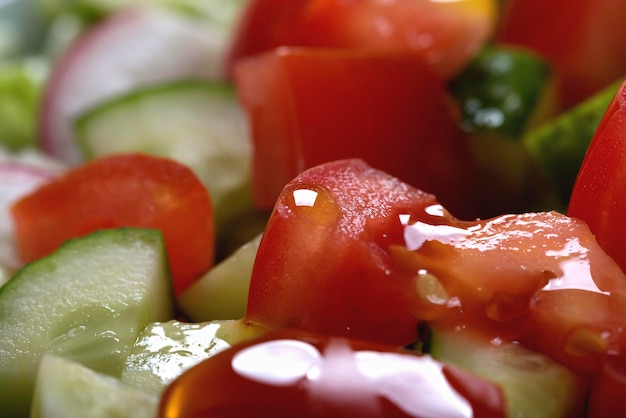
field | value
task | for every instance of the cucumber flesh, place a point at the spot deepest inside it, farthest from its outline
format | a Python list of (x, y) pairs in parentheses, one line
[(87, 301), (533, 384), (198, 123), (222, 293), (66, 389), (165, 349)]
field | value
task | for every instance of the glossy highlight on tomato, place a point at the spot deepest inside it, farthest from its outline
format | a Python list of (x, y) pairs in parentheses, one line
[(117, 191), (295, 374)]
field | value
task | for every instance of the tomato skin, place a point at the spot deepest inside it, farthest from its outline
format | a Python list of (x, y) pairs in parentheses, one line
[(310, 106), (296, 374), (444, 34), (117, 191), (584, 40), (598, 193)]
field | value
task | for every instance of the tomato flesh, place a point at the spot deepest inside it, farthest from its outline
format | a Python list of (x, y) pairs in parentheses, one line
[(311, 106), (539, 278), (118, 191), (444, 34), (295, 374)]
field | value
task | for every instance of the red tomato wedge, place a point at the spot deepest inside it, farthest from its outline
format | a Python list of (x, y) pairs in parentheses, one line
[(294, 374), (118, 191), (600, 188), (352, 251), (445, 34), (319, 265), (310, 106), (584, 39)]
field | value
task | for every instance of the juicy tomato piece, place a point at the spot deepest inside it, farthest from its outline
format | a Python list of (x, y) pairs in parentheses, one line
[(350, 250), (295, 374), (599, 190), (118, 191), (538, 278), (584, 40), (310, 106), (444, 34), (319, 267)]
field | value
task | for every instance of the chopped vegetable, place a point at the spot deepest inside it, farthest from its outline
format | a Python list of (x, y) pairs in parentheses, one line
[(122, 190), (87, 302), (308, 106)]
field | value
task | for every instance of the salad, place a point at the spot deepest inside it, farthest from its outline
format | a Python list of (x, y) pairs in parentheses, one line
[(312, 208)]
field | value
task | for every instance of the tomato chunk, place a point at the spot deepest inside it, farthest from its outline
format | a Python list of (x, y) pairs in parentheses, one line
[(540, 279), (584, 40), (118, 191), (310, 106), (319, 266), (295, 374), (444, 34)]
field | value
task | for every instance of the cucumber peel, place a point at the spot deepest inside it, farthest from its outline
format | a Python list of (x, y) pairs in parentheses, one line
[(559, 145), (505, 90), (87, 302)]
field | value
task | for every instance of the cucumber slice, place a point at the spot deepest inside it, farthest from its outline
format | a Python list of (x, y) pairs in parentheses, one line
[(165, 349), (505, 90), (198, 123), (222, 293), (559, 146), (534, 385), (66, 389), (88, 301)]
